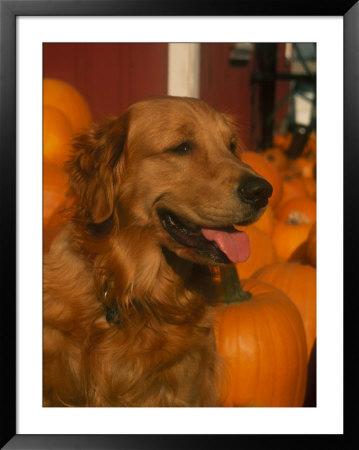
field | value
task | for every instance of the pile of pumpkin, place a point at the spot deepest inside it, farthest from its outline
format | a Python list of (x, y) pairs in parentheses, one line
[(266, 328), (65, 113)]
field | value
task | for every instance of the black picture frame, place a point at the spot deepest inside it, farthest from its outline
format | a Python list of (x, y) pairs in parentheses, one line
[(9, 10)]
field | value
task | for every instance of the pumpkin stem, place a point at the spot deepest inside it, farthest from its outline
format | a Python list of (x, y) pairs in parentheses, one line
[(232, 291)]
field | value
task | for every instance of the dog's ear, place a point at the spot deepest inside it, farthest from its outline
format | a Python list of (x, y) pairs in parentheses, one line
[(94, 168)]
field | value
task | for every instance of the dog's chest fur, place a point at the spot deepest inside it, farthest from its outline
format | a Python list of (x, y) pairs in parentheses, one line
[(135, 360)]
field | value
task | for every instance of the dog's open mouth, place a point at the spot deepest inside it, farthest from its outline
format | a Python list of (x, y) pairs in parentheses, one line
[(221, 245)]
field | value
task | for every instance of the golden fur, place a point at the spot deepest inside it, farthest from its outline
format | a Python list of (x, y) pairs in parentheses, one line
[(128, 311)]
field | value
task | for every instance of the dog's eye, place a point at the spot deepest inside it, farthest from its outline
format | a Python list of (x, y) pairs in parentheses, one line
[(233, 146), (181, 149)]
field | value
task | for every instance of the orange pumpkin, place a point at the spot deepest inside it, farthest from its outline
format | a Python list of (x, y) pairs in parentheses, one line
[(262, 252), (54, 194), (297, 210), (282, 141), (306, 253), (311, 186), (276, 157), (69, 101), (287, 237), (298, 281), (265, 223), (57, 135), (311, 246), (311, 146), (262, 341), (305, 165), (263, 167), (293, 186)]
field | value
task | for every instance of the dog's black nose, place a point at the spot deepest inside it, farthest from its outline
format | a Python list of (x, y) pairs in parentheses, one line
[(255, 191)]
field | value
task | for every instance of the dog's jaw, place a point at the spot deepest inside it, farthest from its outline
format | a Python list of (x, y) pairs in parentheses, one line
[(221, 245)]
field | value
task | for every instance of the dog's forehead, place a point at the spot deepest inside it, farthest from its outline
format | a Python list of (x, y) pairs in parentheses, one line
[(173, 108), (172, 117)]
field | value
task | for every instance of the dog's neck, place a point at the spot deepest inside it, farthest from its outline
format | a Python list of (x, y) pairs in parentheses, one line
[(194, 277), (179, 289), (132, 280)]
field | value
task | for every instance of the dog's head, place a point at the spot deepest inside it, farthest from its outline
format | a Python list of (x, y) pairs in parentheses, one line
[(172, 166)]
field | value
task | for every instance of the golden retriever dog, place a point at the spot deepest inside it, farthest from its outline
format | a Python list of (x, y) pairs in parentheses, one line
[(129, 304)]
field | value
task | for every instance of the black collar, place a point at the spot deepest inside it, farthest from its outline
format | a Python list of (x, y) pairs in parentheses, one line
[(112, 313), (111, 307)]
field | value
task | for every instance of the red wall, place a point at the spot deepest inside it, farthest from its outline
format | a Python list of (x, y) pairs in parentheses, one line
[(110, 76), (226, 88), (229, 88)]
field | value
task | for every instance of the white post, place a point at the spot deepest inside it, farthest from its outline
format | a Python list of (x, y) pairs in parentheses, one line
[(183, 69)]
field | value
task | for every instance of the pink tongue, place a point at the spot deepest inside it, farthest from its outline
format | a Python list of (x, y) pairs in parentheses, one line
[(235, 245)]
